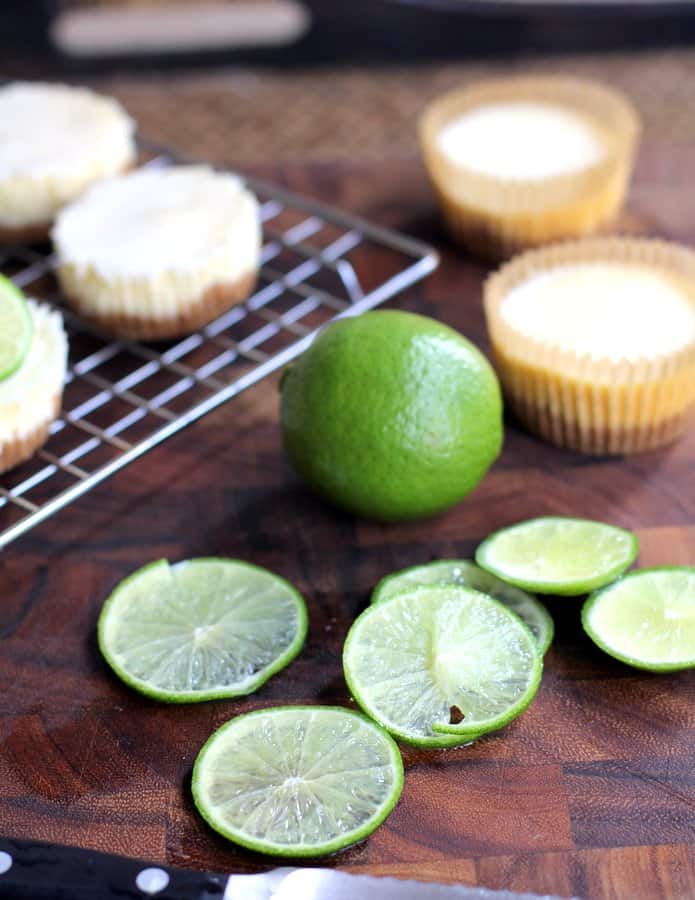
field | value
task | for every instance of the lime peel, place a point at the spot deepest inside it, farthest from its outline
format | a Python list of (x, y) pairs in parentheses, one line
[(391, 416)]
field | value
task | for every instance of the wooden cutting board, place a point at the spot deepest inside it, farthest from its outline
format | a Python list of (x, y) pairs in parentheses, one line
[(590, 793)]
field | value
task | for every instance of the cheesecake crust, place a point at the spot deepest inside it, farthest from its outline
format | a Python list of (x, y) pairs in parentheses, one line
[(215, 300), (37, 233)]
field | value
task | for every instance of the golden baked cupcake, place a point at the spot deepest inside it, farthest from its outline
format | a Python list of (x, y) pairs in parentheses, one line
[(159, 253), (30, 398), (55, 141), (520, 162), (594, 342)]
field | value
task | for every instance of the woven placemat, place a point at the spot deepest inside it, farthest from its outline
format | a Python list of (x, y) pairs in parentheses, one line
[(248, 117)]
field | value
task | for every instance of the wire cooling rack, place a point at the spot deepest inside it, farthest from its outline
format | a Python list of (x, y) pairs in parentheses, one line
[(123, 398)]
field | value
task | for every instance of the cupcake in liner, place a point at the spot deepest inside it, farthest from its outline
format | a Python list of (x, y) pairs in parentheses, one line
[(55, 141), (159, 253), (594, 342), (524, 161), (30, 399)]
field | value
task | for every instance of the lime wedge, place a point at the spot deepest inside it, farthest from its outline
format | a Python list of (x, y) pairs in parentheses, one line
[(646, 619), (556, 555), (466, 573), (201, 629), (439, 666), (297, 780), (16, 328)]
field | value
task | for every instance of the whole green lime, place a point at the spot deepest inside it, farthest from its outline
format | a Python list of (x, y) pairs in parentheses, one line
[(391, 415)]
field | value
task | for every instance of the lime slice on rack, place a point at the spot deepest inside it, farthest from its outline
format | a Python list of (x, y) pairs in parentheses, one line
[(297, 780), (16, 328), (466, 573), (646, 619), (201, 629), (556, 555), (439, 666)]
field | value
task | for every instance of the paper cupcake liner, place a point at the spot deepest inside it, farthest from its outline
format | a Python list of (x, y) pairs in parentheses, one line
[(496, 217), (20, 448), (599, 406), (214, 301)]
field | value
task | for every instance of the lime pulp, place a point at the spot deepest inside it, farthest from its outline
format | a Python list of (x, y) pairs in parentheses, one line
[(297, 781), (16, 328), (466, 573), (557, 555), (646, 619), (439, 666), (201, 629)]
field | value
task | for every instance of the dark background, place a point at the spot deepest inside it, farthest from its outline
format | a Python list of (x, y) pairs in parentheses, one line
[(381, 31)]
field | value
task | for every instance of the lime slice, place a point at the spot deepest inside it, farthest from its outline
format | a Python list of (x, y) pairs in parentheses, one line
[(16, 328), (297, 780), (466, 573), (556, 555), (201, 629), (419, 662), (646, 619)]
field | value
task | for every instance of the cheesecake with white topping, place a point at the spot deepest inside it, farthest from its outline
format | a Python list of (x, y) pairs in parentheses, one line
[(30, 398), (55, 141), (523, 161), (159, 253), (595, 342)]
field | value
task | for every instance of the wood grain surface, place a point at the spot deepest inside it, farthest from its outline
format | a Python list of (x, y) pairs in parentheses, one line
[(591, 792)]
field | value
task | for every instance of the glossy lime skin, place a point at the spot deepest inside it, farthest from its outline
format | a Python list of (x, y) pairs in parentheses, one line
[(391, 416)]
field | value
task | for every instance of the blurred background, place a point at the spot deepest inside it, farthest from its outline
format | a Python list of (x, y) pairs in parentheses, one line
[(261, 81)]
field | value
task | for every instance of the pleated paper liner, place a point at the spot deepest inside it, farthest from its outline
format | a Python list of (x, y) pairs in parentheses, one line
[(17, 449), (599, 406), (497, 217)]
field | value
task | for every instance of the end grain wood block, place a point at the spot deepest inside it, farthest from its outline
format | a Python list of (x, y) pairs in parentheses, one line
[(626, 803), (556, 802), (634, 872), (127, 822), (496, 806)]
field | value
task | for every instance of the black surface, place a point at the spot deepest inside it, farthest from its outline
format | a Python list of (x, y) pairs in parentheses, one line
[(50, 872), (385, 31)]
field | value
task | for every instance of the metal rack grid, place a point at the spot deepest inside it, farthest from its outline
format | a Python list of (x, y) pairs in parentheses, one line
[(123, 398)]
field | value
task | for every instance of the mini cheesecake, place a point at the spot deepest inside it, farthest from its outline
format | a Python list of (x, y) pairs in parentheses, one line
[(159, 253), (55, 141), (520, 162), (30, 399), (595, 342)]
